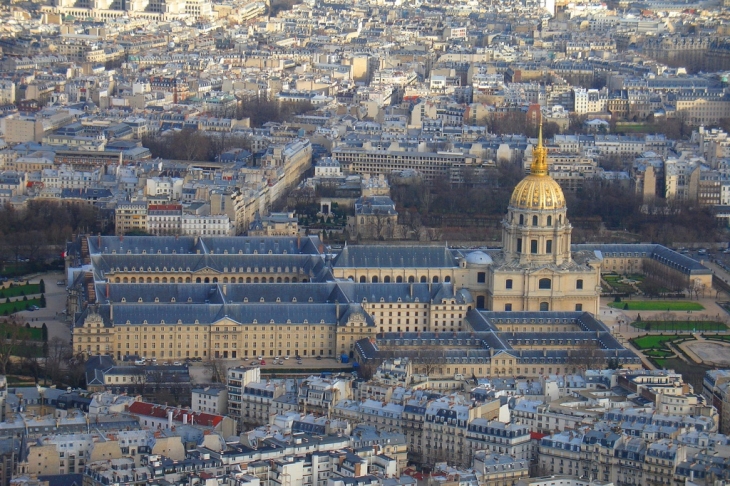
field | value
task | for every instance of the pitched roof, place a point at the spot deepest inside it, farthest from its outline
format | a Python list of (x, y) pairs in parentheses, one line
[(162, 411)]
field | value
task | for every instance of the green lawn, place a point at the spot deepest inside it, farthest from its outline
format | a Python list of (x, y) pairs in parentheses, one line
[(652, 342), (658, 305), (18, 290), (32, 333), (12, 307), (679, 325), (661, 363)]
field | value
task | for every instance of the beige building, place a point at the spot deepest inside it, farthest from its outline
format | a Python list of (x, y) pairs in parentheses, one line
[(130, 217)]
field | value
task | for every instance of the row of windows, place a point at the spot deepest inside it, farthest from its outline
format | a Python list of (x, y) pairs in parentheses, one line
[(535, 220), (544, 307), (399, 279)]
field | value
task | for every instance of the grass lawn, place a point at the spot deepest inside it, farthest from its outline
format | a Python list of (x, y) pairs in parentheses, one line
[(653, 342), (12, 307), (679, 325), (658, 305), (18, 290), (32, 333)]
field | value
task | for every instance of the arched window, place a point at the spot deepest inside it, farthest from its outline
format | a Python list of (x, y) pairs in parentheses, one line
[(411, 279), (545, 283), (375, 279), (435, 279), (508, 283), (424, 279), (550, 221), (544, 307), (363, 279), (534, 221), (398, 279), (447, 279), (386, 279)]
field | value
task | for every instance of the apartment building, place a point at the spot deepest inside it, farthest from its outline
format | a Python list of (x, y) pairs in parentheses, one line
[(431, 165), (213, 400), (164, 219), (209, 225), (130, 218), (716, 390)]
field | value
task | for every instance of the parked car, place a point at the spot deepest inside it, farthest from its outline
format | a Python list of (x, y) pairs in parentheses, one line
[(263, 362), (319, 358)]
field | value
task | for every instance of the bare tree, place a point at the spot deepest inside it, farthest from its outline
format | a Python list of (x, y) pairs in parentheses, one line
[(12, 336), (219, 370), (58, 353)]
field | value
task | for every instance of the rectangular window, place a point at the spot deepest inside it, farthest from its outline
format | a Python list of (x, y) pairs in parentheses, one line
[(519, 245), (579, 307), (579, 284), (533, 246), (507, 307), (549, 246), (508, 283), (481, 277)]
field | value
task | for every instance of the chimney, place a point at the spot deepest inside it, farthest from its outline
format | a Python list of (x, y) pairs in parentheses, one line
[(107, 290), (299, 242), (169, 418), (225, 289), (411, 289), (337, 309), (98, 240)]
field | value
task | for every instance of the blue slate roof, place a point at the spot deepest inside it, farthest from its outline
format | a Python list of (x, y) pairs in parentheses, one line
[(373, 256)]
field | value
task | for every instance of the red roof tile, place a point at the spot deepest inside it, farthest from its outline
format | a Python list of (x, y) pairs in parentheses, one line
[(160, 411)]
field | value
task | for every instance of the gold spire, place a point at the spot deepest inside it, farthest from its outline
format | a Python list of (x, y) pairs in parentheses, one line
[(539, 157)]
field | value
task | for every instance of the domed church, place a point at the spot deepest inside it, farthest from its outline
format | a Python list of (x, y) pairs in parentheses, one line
[(536, 270)]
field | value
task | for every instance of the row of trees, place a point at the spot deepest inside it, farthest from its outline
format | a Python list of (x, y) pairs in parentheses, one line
[(189, 144), (613, 204), (50, 360), (40, 230)]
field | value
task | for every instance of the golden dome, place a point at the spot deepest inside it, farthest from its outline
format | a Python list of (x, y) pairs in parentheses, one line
[(538, 190)]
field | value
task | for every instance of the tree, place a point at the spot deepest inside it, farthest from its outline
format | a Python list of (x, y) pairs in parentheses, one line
[(219, 370), (43, 300), (12, 336), (42, 287)]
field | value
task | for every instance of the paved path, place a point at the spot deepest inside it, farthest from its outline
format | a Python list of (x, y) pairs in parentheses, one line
[(55, 304)]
